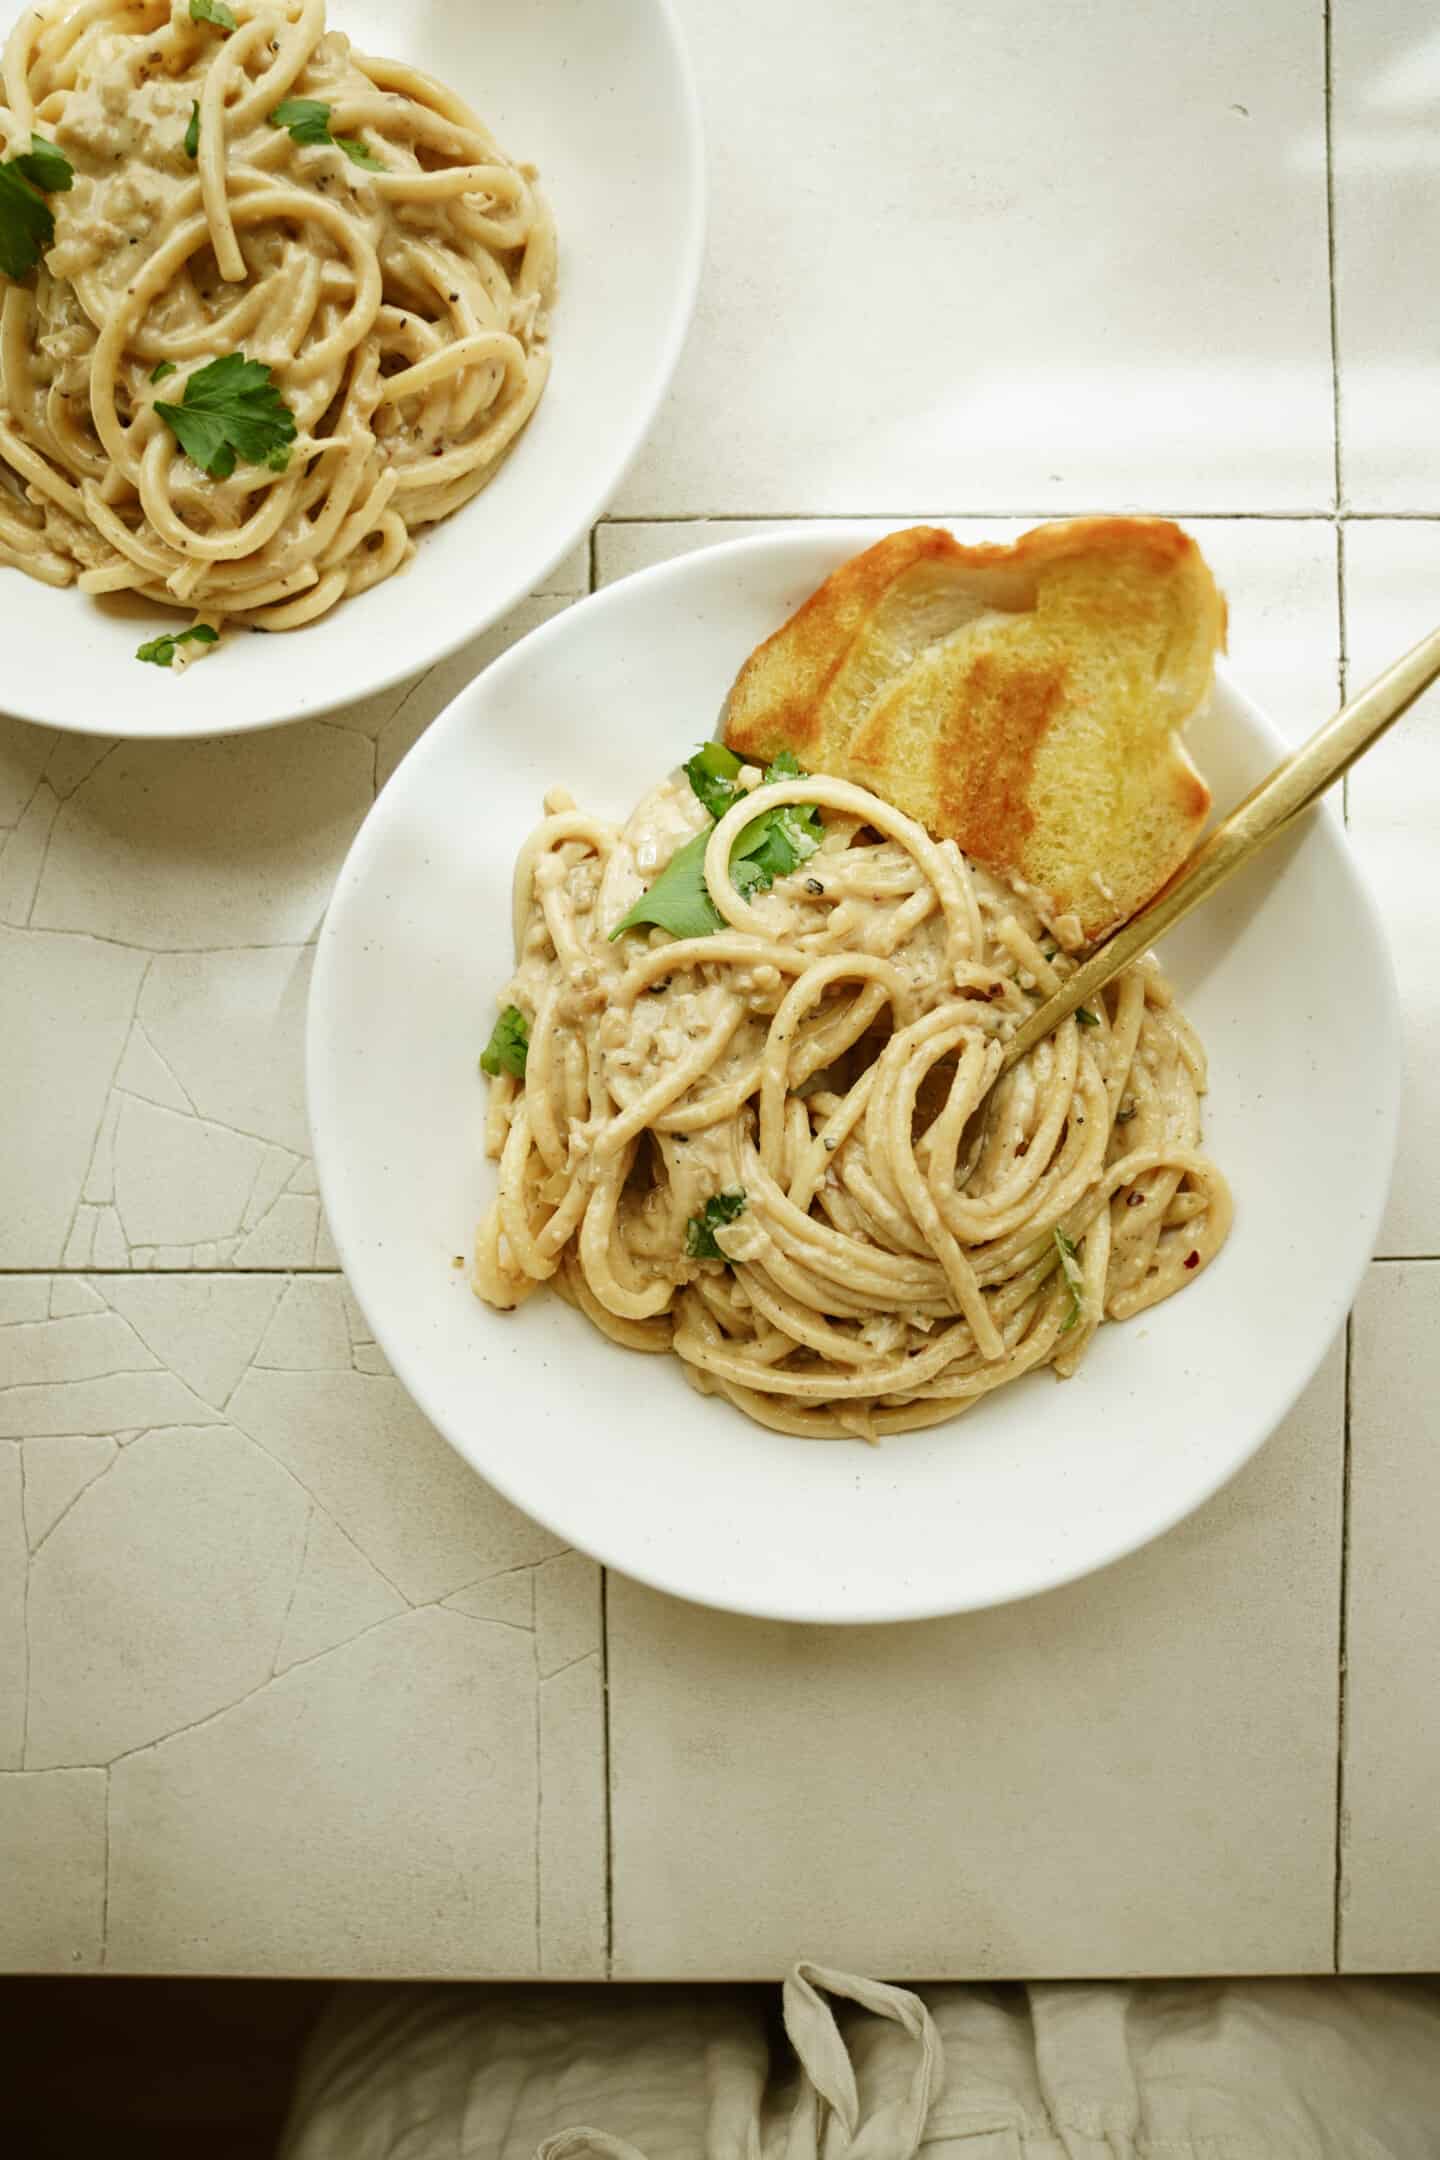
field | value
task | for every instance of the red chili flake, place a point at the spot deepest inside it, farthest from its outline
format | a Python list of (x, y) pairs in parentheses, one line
[(1192, 1259)]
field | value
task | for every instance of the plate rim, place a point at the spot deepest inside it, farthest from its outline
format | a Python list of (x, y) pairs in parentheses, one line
[(194, 727), (846, 535)]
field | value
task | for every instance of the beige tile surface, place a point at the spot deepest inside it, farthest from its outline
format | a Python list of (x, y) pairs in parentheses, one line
[(346, 1702), (1135, 1774), (1278, 575), (1390, 1843), (52, 1866), (158, 904), (1386, 119), (1005, 258), (1392, 597)]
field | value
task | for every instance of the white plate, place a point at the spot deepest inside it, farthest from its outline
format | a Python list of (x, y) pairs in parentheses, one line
[(1286, 975), (599, 95)]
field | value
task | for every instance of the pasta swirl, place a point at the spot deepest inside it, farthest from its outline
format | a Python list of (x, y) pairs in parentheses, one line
[(776, 1151)]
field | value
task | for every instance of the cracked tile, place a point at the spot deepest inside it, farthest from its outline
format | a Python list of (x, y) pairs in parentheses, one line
[(284, 1236), (23, 853), (160, 1596), (567, 1611), (337, 1595), (178, 1179), (309, 1331), (73, 759), (90, 1347), (373, 1811), (52, 1863), (509, 1599), (65, 1008), (217, 1609), (572, 1820), (205, 1328), (223, 843), (13, 1660), (57, 1471), (362, 1449), (69, 1294), (22, 1298), (143, 1072), (23, 752), (205, 1013)]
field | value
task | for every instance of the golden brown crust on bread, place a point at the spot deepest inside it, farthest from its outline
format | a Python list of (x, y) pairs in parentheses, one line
[(1024, 701)]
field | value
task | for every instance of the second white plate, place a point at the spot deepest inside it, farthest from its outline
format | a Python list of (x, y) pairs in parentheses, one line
[(598, 94)]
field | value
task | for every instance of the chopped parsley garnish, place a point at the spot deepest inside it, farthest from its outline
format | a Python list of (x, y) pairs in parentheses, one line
[(213, 11), (26, 224), (712, 772), (306, 118), (770, 846), (678, 901), (192, 130), (509, 1045), (359, 153), (161, 650), (231, 409), (161, 369), (720, 1208), (1086, 1019), (308, 121), (45, 167), (776, 843), (1074, 1280)]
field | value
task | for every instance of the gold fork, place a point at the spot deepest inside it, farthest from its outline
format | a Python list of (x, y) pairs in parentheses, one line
[(1296, 783)]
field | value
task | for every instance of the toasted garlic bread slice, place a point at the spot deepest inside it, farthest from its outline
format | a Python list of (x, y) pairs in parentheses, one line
[(1024, 701)]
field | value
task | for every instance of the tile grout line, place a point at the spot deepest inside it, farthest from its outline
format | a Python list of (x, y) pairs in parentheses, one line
[(1299, 514), (1329, 78), (606, 1763), (337, 1274), (1328, 45), (1342, 1677)]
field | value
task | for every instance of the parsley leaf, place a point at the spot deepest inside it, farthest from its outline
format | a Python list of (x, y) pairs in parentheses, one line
[(770, 846), (678, 900), (1074, 1280), (786, 766), (712, 773), (308, 121), (509, 1045), (231, 409), (720, 1208), (45, 167), (359, 153), (161, 650), (161, 369), (774, 844), (1086, 1019), (26, 226), (192, 130), (213, 11)]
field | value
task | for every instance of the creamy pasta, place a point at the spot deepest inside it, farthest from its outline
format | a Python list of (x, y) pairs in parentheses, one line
[(774, 1148), (262, 191)]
